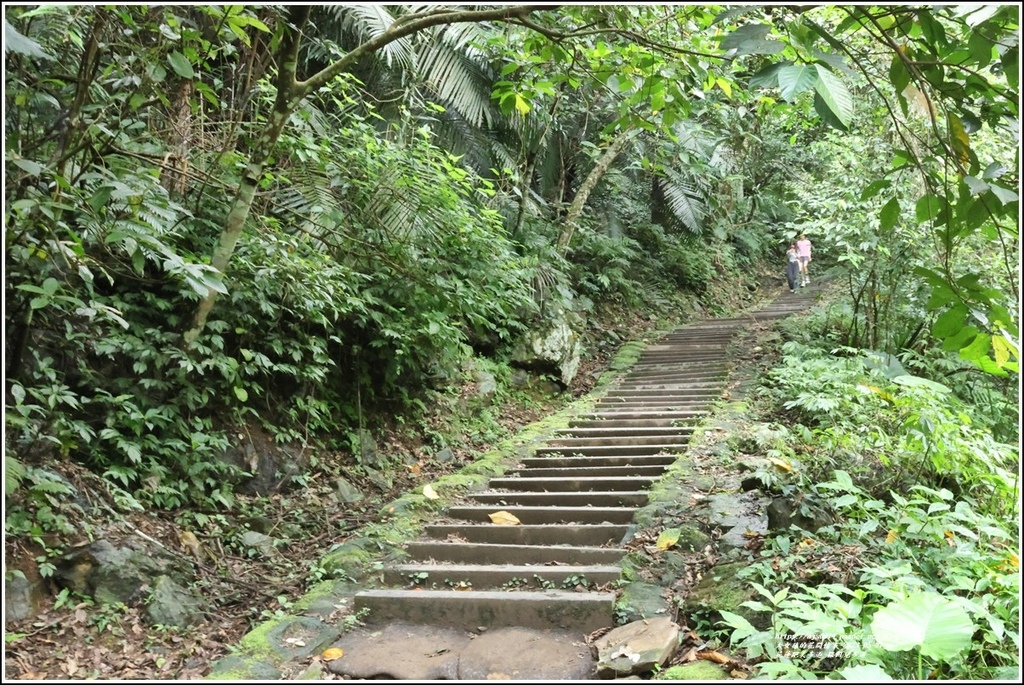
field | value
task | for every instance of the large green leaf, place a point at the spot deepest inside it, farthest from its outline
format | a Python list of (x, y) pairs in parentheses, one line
[(835, 95), (928, 621), (796, 79), (865, 673), (745, 33)]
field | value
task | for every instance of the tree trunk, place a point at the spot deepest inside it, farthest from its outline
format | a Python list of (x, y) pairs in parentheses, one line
[(604, 162)]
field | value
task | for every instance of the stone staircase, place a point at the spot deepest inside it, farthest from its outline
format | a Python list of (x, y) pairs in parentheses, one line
[(575, 500)]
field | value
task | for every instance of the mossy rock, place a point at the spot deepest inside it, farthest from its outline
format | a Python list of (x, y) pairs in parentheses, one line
[(641, 600), (698, 670), (289, 639), (721, 589), (238, 668)]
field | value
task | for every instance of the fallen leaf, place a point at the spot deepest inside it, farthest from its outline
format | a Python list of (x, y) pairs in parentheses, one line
[(736, 673), (298, 642), (503, 518), (332, 654), (717, 657), (781, 463), (429, 493), (668, 538), (893, 534), (415, 468)]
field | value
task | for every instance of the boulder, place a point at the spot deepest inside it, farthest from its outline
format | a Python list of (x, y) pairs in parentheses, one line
[(636, 648), (172, 605), (553, 347), (112, 574)]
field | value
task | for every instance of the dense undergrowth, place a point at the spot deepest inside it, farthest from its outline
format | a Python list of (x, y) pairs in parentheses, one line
[(905, 562)]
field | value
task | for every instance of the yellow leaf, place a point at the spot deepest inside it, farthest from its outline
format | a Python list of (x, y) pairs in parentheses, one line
[(429, 493), (503, 518), (782, 464), (332, 654), (668, 538), (893, 534)]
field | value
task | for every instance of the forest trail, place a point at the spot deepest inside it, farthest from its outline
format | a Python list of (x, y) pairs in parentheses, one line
[(478, 600)]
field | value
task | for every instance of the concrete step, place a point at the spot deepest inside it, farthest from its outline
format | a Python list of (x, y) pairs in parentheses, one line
[(573, 484), (611, 460), (549, 609), (621, 441), (610, 450), (622, 423), (508, 576), (611, 413), (591, 471), (484, 553), (625, 432), (592, 535), (548, 514), (635, 498)]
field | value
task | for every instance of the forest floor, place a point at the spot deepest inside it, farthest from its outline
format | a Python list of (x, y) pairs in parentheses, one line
[(76, 638)]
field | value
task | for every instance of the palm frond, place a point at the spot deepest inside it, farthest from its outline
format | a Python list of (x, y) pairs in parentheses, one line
[(458, 81), (683, 200), (364, 22)]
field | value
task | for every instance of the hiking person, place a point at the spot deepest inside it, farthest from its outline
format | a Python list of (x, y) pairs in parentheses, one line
[(803, 251), (792, 266)]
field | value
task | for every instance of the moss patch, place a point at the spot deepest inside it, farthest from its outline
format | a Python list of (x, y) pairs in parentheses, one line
[(698, 670)]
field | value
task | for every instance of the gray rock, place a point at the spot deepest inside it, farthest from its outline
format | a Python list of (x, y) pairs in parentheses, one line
[(641, 600), (444, 455), (348, 493), (382, 481), (113, 574), (486, 386), (240, 668), (299, 637), (553, 347), (260, 542), (172, 605), (522, 654), (368, 452), (23, 596), (782, 514), (636, 647)]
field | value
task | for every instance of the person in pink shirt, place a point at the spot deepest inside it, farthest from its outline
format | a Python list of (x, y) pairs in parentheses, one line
[(803, 252)]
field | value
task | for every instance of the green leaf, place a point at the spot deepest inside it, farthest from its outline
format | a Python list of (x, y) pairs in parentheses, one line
[(668, 538), (182, 67), (834, 94), (874, 188), (23, 45), (960, 338), (865, 673), (889, 215), (241, 393), (918, 382), (796, 79), (750, 32), (928, 208), (978, 348), (899, 77), (950, 321), (928, 621), (766, 78)]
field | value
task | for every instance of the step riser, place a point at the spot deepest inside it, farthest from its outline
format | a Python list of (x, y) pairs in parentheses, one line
[(570, 462), (637, 450), (441, 576), (468, 553), (620, 442), (546, 514), (578, 536), (571, 484), (563, 499), (634, 432), (580, 612), (591, 471)]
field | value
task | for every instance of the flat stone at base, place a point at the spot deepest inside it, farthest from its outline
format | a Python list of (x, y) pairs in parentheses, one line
[(522, 654), (400, 652)]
